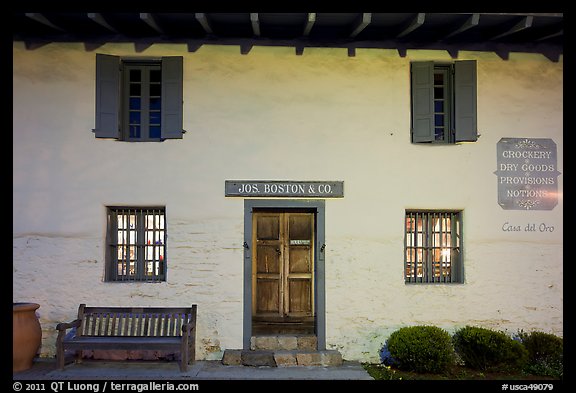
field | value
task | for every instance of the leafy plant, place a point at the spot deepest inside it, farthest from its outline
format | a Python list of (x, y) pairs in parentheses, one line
[(421, 349), (486, 349), (545, 353)]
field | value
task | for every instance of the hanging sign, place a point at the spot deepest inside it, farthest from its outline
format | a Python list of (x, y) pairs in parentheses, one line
[(284, 189), (527, 174)]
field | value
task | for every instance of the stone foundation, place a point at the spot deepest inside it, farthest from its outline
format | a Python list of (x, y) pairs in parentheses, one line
[(282, 351)]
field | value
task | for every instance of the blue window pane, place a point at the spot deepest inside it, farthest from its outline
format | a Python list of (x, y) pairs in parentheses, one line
[(154, 132), (135, 103), (154, 117), (439, 120), (134, 131), (155, 104), (439, 106), (134, 117), (439, 134)]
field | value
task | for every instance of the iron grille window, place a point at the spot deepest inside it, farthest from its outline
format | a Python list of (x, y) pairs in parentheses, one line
[(136, 239), (433, 244)]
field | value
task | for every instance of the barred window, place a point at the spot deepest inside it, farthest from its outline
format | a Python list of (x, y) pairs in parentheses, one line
[(433, 244), (136, 239)]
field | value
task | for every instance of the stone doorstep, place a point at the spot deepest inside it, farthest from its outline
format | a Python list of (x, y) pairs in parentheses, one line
[(284, 342), (281, 358)]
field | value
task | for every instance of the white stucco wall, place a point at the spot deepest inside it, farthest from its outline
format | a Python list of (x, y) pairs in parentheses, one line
[(271, 114)]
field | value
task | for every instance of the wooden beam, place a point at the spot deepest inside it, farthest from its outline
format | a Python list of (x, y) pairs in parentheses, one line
[(98, 18), (42, 19), (523, 24), (557, 34), (414, 24), (471, 22), (361, 24), (151, 21), (203, 20), (255, 23), (309, 23)]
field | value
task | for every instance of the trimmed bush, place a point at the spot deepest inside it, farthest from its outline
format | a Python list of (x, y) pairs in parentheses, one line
[(486, 349), (545, 353), (421, 349)]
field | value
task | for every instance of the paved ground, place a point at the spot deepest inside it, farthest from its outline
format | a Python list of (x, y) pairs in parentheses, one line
[(45, 369)]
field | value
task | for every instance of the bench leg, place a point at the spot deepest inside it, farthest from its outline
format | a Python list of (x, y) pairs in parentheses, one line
[(184, 361), (60, 357)]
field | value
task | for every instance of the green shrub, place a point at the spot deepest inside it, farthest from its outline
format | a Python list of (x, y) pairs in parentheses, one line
[(421, 349), (486, 349), (545, 353)]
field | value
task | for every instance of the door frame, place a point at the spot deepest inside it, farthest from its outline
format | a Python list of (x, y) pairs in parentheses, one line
[(318, 207)]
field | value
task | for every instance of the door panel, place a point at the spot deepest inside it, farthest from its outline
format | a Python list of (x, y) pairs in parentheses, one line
[(300, 300), (300, 260), (283, 266), (267, 296), (268, 260)]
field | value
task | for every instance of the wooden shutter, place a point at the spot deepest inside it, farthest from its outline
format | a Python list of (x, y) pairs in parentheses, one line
[(465, 92), (422, 74), (107, 96), (172, 98)]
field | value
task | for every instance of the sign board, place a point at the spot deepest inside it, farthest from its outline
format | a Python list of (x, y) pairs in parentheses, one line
[(284, 189), (527, 174)]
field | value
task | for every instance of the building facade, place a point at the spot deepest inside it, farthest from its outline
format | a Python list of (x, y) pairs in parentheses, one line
[(347, 195)]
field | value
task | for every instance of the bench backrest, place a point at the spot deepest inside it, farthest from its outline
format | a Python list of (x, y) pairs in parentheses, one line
[(134, 321)]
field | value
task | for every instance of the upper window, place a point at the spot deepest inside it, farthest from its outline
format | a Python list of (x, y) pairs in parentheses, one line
[(443, 102), (136, 244), (138, 99), (433, 244)]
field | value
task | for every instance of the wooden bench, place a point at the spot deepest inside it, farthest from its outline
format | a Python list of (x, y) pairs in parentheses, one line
[(130, 328)]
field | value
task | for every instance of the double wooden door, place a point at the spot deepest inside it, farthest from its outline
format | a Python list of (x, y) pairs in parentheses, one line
[(283, 267)]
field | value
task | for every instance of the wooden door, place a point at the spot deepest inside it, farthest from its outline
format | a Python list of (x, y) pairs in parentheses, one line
[(283, 267)]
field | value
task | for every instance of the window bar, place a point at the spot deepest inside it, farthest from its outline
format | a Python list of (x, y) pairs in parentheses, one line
[(127, 245), (113, 229), (120, 231), (163, 270), (133, 251), (453, 247), (423, 245), (416, 249), (414, 252), (146, 230), (436, 259), (156, 254), (428, 267), (153, 247), (156, 249), (408, 242), (440, 247), (447, 246), (122, 245), (430, 257), (137, 245)]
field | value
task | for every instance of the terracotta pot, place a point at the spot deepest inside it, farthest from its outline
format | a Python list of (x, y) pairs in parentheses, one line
[(26, 335)]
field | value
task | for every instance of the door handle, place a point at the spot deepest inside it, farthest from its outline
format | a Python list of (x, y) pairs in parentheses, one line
[(278, 251)]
